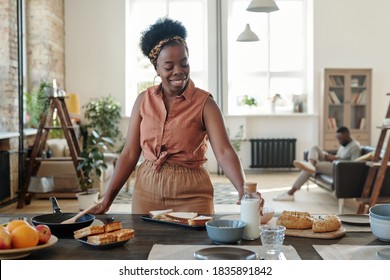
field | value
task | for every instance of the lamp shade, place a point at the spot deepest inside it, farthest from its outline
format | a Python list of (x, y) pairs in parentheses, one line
[(73, 104), (265, 6), (248, 35)]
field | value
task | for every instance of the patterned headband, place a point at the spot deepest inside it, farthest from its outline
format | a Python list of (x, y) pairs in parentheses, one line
[(155, 52)]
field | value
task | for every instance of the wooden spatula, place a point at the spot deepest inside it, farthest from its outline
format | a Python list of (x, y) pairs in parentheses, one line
[(73, 219)]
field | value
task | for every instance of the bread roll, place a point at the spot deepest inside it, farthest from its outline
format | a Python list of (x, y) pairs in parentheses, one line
[(326, 224), (295, 220)]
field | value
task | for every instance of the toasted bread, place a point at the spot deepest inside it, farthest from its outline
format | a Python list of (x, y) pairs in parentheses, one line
[(112, 226), (159, 214), (123, 234), (199, 221), (90, 230), (101, 239), (181, 217)]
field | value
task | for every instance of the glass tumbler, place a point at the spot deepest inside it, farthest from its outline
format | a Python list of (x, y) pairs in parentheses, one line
[(272, 238)]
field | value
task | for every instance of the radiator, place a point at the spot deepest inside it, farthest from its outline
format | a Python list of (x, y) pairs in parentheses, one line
[(272, 153), (4, 175)]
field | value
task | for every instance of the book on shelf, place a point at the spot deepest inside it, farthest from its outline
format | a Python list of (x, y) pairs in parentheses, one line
[(354, 82), (330, 99), (362, 123), (334, 97), (363, 98), (332, 124), (339, 81), (360, 98), (332, 82)]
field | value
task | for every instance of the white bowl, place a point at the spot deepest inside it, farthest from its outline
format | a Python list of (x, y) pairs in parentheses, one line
[(380, 228), (268, 214)]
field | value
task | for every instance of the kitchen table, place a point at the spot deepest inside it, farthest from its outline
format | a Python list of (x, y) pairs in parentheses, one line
[(147, 234)]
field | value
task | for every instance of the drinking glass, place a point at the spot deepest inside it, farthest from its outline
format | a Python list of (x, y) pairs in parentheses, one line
[(272, 238)]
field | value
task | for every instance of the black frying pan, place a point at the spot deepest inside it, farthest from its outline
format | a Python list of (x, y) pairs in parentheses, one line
[(54, 221)]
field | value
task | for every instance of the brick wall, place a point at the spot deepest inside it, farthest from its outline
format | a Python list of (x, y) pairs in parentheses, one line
[(9, 120), (45, 49), (45, 42)]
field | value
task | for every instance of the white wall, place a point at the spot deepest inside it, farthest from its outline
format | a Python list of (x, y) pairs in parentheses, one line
[(355, 34), (95, 48), (347, 34)]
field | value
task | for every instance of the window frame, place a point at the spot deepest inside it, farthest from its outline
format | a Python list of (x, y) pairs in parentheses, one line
[(303, 74)]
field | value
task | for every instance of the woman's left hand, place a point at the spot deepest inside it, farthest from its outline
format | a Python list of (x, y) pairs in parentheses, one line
[(262, 201)]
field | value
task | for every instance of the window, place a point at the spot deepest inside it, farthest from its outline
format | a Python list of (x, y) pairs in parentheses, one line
[(236, 71), (275, 65), (140, 73)]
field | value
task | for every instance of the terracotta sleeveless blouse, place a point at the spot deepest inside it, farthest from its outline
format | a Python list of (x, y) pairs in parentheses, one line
[(178, 137)]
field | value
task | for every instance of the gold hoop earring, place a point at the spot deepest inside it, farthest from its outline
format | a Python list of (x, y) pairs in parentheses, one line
[(154, 80)]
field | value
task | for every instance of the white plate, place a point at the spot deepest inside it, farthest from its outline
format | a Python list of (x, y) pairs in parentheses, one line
[(10, 254), (354, 219), (225, 253), (231, 217), (384, 254)]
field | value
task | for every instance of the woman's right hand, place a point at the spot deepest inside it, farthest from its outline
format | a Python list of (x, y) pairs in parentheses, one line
[(99, 209)]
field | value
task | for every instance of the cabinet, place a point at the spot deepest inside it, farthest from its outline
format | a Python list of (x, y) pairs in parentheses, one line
[(346, 101)]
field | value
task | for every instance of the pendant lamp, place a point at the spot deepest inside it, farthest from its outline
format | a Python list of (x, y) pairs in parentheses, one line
[(265, 6), (248, 35)]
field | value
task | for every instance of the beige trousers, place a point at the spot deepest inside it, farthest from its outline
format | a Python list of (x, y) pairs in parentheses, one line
[(322, 166), (173, 187)]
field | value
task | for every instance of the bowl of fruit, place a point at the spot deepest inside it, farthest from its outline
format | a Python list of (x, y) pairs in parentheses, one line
[(18, 239)]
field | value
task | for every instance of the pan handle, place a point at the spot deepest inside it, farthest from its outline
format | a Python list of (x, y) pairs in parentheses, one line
[(54, 204)]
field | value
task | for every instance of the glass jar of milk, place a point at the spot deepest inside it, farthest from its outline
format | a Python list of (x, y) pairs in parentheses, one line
[(250, 212)]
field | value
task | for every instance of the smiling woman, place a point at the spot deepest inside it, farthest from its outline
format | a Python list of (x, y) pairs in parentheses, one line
[(192, 13), (171, 125)]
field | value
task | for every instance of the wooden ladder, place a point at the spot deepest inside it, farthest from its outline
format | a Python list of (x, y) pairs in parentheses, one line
[(376, 173), (55, 104)]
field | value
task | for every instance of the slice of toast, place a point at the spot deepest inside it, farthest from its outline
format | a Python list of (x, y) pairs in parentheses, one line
[(101, 239), (159, 214), (90, 230), (123, 234), (199, 221), (181, 217), (112, 226)]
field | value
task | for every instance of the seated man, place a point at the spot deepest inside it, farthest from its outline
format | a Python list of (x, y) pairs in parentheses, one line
[(321, 162)]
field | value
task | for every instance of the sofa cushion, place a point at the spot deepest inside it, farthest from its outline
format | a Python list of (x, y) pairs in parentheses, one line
[(366, 157), (57, 147)]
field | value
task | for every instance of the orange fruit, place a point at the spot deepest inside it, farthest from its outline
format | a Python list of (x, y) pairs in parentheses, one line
[(24, 236), (4, 228), (14, 224)]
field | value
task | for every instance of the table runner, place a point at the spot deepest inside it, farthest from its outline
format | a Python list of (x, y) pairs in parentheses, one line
[(186, 252), (348, 252)]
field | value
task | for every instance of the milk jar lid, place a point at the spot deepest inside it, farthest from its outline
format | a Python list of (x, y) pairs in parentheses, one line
[(250, 187)]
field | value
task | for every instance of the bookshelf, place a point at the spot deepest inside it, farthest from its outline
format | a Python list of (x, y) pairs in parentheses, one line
[(346, 101)]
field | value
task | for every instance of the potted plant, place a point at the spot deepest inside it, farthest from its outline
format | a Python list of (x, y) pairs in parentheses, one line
[(103, 115), (36, 103), (91, 168)]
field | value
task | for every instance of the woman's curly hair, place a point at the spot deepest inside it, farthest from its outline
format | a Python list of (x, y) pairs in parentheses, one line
[(163, 28)]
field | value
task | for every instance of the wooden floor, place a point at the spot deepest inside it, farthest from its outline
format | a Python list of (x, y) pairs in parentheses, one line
[(311, 198)]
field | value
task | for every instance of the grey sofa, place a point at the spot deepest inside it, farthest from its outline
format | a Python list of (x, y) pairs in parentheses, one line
[(348, 179)]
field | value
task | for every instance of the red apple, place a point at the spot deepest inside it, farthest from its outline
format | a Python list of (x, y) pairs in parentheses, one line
[(44, 233), (5, 238)]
